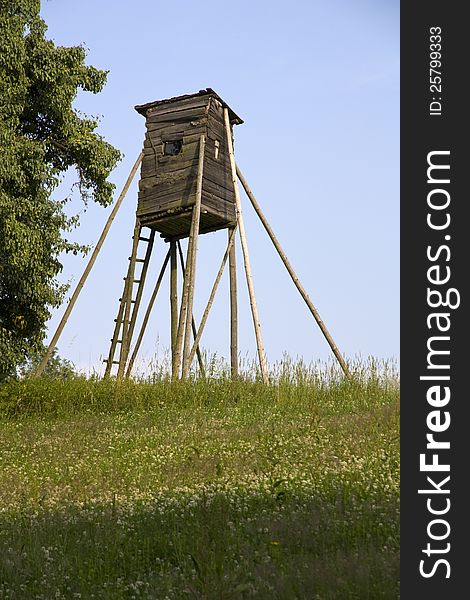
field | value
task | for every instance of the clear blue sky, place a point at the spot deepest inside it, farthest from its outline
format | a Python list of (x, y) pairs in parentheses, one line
[(317, 84)]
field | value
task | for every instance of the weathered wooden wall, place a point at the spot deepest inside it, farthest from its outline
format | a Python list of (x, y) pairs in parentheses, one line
[(217, 187), (167, 187)]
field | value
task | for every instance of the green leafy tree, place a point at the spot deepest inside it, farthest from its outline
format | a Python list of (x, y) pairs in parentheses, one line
[(56, 368), (41, 136)]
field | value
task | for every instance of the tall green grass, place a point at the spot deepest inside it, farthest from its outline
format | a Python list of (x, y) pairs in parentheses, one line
[(207, 489), (322, 385)]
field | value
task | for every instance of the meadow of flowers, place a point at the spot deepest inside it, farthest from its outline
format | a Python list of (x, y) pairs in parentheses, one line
[(207, 489)]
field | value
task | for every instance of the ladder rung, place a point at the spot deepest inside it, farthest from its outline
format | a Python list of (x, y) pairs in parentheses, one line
[(144, 239), (134, 280), (114, 362), (140, 260)]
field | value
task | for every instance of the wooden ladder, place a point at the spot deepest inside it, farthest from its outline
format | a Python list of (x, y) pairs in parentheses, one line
[(130, 301)]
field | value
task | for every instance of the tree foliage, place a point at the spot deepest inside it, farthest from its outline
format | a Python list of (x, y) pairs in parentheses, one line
[(41, 136), (56, 368)]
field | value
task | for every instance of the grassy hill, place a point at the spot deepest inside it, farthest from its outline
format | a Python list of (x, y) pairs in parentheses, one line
[(204, 489)]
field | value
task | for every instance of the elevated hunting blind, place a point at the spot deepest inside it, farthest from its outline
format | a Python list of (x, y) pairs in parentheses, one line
[(188, 186), (168, 183)]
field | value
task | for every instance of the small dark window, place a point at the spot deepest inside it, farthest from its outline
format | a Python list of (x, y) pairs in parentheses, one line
[(172, 148)]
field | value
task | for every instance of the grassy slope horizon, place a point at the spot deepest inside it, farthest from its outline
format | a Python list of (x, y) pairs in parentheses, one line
[(204, 489)]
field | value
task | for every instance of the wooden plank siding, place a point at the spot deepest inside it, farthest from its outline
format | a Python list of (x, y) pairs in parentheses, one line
[(167, 187)]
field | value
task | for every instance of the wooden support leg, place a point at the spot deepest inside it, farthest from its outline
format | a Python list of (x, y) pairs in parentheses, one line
[(182, 316), (197, 337), (87, 270), (193, 323), (191, 266), (188, 282), (173, 299), (147, 314), (233, 310), (246, 258), (294, 277)]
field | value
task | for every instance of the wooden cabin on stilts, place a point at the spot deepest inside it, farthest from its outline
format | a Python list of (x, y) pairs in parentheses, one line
[(188, 187)]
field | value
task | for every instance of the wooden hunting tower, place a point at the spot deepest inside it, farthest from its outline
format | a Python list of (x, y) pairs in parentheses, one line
[(168, 184), (188, 185)]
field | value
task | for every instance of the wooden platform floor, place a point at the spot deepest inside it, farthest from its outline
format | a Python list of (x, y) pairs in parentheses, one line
[(177, 226)]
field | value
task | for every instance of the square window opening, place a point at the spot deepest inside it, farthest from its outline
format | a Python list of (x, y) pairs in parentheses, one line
[(172, 148)]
